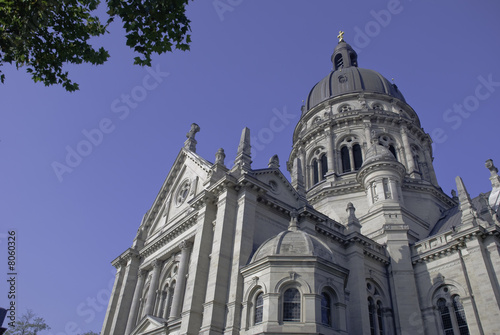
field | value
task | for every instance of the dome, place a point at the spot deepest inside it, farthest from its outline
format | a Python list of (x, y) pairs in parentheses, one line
[(348, 78), (293, 243), (378, 152)]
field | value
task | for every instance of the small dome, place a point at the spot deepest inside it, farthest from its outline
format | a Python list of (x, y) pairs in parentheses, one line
[(351, 80), (293, 243), (378, 152)]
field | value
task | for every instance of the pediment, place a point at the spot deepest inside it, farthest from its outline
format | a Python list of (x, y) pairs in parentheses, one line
[(149, 325), (184, 181), (277, 185)]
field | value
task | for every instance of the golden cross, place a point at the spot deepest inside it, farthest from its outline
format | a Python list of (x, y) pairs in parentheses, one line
[(341, 36)]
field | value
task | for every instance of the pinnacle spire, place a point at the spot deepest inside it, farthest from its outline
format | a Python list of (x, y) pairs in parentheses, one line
[(466, 207), (190, 143), (244, 154)]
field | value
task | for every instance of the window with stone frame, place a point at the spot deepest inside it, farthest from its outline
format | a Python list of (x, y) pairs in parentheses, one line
[(319, 166), (452, 319), (351, 155), (375, 309), (259, 308), (291, 305), (326, 309)]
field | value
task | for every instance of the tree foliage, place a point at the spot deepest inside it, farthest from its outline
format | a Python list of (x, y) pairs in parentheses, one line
[(28, 324), (44, 35)]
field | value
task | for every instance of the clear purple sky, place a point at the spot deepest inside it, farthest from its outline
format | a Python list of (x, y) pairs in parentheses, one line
[(246, 64)]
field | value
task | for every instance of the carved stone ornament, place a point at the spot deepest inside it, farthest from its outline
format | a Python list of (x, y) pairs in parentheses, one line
[(185, 245)]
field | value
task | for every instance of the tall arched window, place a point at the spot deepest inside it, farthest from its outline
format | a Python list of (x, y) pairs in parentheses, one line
[(371, 315), (460, 316), (339, 62), (291, 305), (315, 171), (358, 157), (393, 151), (326, 309), (324, 166), (444, 311), (259, 308), (346, 162), (380, 319)]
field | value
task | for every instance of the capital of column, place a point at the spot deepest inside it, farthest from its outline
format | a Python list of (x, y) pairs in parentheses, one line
[(185, 245), (142, 273), (157, 263)]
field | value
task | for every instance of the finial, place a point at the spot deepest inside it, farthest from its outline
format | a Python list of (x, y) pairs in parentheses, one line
[(220, 156), (352, 222), (293, 221), (190, 143), (274, 162), (340, 36)]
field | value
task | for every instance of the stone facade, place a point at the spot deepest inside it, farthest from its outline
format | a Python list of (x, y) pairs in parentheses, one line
[(361, 241)]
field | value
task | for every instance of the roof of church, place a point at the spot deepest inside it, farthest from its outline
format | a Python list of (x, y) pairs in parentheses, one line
[(348, 78), (293, 243), (453, 217)]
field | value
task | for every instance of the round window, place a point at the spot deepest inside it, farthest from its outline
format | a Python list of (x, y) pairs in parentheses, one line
[(182, 192)]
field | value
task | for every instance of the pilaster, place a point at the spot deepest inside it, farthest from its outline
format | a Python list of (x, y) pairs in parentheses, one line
[(113, 300), (151, 298), (125, 296), (196, 283), (180, 285), (214, 308), (243, 245), (134, 309)]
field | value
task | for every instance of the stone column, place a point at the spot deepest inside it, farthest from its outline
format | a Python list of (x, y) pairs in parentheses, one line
[(134, 309), (428, 159), (329, 152), (351, 158), (126, 294), (408, 154), (180, 284), (368, 134), (113, 300), (150, 303)]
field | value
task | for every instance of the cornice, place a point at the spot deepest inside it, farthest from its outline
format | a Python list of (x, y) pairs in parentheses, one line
[(167, 236), (417, 185), (124, 257), (335, 188)]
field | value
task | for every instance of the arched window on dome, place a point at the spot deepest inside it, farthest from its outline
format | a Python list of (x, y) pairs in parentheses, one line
[(324, 166), (326, 309), (358, 157), (315, 166), (338, 62), (351, 155), (319, 165), (259, 308), (346, 162), (291, 305)]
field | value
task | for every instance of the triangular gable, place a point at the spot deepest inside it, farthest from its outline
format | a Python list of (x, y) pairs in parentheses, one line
[(277, 185), (149, 325), (189, 170)]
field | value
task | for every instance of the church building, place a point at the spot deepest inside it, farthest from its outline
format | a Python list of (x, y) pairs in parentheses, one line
[(359, 239)]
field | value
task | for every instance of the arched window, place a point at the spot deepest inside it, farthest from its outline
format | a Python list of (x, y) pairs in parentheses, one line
[(259, 308), (291, 305), (371, 315), (460, 316), (380, 319), (326, 309), (346, 162), (339, 61), (358, 158), (393, 151), (445, 316), (315, 171), (324, 166)]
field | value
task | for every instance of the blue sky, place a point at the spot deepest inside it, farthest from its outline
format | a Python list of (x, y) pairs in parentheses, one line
[(249, 62)]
